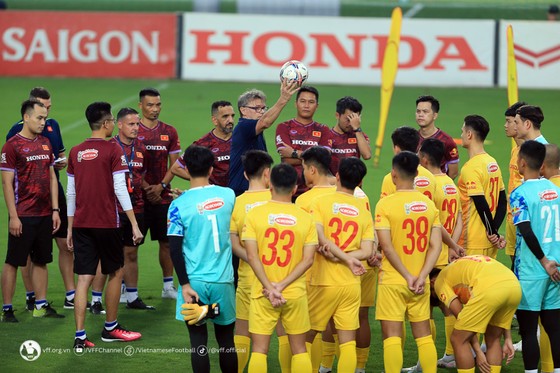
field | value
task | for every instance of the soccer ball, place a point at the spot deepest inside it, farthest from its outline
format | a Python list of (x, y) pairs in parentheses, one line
[(294, 70)]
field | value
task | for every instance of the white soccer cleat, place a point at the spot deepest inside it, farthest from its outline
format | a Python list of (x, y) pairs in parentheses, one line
[(447, 361), (169, 293), (518, 347)]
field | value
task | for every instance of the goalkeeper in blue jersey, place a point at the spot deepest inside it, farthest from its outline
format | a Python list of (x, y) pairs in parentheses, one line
[(198, 231)]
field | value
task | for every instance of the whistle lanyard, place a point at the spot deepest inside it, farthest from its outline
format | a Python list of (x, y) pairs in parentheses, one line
[(128, 161)]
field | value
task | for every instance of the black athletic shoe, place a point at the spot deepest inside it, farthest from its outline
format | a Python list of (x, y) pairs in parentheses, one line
[(97, 308), (138, 304), (80, 344), (8, 316), (30, 304)]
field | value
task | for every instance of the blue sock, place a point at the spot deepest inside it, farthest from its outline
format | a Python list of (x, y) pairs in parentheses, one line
[(40, 303), (81, 334), (7, 307), (96, 296), (110, 325), (168, 282), (29, 294), (70, 294)]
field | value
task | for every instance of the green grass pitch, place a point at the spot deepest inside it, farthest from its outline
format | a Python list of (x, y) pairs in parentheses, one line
[(186, 105)]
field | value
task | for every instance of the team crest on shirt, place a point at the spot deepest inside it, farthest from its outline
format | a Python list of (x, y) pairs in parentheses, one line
[(90, 155), (548, 195), (449, 189), (210, 205), (45, 147), (378, 218), (492, 167), (164, 137), (26, 150), (292, 132), (421, 182), (139, 154), (316, 133), (345, 209), (416, 206), (453, 152), (141, 138), (250, 206), (215, 150), (282, 219), (352, 140)]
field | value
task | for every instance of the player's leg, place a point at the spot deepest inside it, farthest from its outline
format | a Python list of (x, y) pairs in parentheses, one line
[(329, 346), (391, 332), (322, 301), (28, 284), (427, 353), (260, 343), (200, 360), (228, 355), (547, 362), (390, 311), (97, 286), (347, 359), (460, 339), (159, 233), (295, 318), (551, 323), (284, 351), (113, 294), (65, 257), (242, 337), (363, 340), (301, 361), (346, 321), (550, 334)]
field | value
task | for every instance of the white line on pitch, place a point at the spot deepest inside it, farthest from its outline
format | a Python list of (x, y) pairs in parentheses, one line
[(413, 11)]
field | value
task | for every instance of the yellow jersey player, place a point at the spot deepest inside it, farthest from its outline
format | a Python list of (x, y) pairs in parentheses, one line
[(407, 138), (409, 232), (490, 312), (281, 241), (345, 229), (257, 164), (551, 165), (481, 187)]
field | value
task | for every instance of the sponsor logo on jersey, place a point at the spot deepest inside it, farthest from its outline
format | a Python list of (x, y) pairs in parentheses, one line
[(89, 155), (492, 167), (548, 195), (449, 189), (156, 147), (352, 140), (3, 160), (282, 219), (164, 137), (123, 161), (304, 142), (137, 164), (345, 209), (37, 157), (222, 158), (421, 182), (344, 151), (210, 205), (279, 140), (45, 147), (415, 206), (515, 211)]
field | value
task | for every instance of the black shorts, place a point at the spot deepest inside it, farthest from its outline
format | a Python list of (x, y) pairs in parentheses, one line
[(62, 232), (155, 220), (35, 241), (126, 228), (92, 245)]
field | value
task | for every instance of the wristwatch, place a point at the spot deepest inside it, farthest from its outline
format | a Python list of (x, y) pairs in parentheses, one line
[(294, 154), (163, 185), (359, 129), (57, 210)]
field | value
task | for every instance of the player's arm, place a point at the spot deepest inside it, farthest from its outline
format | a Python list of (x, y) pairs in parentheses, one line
[(452, 170), (363, 143), (61, 162), (70, 210), (447, 239), (332, 252), (14, 225), (300, 268), (287, 89), (485, 215), (432, 255), (237, 248), (532, 242), (176, 253), (54, 200), (121, 192), (386, 243), (501, 210), (254, 261), (177, 169)]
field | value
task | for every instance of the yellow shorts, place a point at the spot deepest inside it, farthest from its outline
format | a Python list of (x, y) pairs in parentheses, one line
[(491, 252), (397, 302), (294, 316), (342, 303), (242, 301), (493, 305), (368, 285), (511, 235)]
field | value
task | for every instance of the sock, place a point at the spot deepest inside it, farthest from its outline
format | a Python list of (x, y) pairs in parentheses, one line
[(301, 363), (7, 307), (392, 354), (242, 346), (110, 325), (131, 294), (360, 370), (316, 351), (96, 296), (327, 354), (495, 368), (336, 344), (258, 363), (556, 370), (29, 294), (471, 370), (70, 295), (531, 371), (547, 365), (427, 354), (433, 329), (347, 357), (40, 303), (362, 355), (449, 326), (167, 283), (284, 354), (81, 334)]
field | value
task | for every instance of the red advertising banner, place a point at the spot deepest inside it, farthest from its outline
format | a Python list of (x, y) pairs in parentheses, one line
[(75, 44)]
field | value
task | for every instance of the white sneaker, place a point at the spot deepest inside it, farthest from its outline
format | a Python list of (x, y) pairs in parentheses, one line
[(169, 293), (447, 361), (413, 369), (518, 347), (322, 369)]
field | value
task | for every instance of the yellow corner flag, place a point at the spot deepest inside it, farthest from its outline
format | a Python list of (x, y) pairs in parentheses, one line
[(512, 88), (388, 74)]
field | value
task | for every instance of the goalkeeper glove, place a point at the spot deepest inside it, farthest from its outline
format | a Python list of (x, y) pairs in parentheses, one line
[(196, 313)]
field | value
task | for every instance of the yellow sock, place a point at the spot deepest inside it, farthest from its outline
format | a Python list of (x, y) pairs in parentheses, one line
[(347, 357), (284, 354), (301, 363), (327, 354), (242, 345), (392, 354), (427, 354), (316, 351), (258, 363), (362, 355), (546, 353), (336, 345), (471, 370), (433, 329), (449, 326), (495, 368)]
